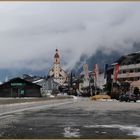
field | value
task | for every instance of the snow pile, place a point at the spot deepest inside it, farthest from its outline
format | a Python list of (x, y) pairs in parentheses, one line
[(71, 132), (51, 96), (108, 100), (138, 101), (74, 97), (134, 130)]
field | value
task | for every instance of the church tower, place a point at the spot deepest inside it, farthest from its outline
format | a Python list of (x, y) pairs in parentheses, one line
[(56, 64), (56, 57), (57, 72)]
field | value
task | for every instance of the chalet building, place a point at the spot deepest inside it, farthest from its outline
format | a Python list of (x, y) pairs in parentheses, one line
[(129, 70), (48, 85), (57, 72), (129, 67), (18, 87)]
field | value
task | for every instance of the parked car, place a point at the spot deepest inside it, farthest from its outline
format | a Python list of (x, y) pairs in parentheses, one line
[(132, 97), (138, 96), (122, 97), (127, 97)]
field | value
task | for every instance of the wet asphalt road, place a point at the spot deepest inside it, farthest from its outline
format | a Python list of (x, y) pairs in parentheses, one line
[(80, 118)]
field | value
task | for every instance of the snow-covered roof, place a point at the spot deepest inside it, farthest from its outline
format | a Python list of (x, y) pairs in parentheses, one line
[(37, 81), (82, 73)]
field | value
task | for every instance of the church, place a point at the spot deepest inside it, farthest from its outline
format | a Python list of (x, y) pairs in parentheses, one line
[(57, 72)]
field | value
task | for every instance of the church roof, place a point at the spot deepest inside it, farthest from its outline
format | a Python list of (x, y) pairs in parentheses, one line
[(56, 54)]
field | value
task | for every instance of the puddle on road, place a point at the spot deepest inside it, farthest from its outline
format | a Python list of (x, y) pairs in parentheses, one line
[(132, 130)]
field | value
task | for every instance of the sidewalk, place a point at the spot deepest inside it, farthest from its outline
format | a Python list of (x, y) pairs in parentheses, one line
[(27, 99), (18, 107)]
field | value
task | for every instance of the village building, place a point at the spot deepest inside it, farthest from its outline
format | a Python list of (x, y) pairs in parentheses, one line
[(84, 83), (129, 70), (18, 87), (57, 72), (48, 86)]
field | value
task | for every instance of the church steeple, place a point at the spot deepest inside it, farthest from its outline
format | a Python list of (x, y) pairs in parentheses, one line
[(56, 57), (57, 72)]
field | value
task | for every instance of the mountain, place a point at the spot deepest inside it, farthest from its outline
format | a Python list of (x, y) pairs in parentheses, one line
[(11, 73), (101, 58)]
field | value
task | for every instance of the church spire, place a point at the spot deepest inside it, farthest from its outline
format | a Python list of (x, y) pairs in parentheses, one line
[(56, 57)]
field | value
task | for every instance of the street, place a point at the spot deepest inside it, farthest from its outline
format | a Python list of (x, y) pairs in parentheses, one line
[(71, 118)]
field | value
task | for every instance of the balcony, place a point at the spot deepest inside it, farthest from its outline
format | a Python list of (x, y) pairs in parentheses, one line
[(133, 66), (127, 75)]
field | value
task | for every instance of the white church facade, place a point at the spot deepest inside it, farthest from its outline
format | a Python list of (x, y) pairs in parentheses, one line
[(59, 75)]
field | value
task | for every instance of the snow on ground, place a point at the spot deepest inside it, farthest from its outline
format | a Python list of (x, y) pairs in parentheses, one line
[(133, 130), (75, 97), (138, 101), (71, 132), (108, 100)]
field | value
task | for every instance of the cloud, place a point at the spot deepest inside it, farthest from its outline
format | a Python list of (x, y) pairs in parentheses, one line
[(31, 31)]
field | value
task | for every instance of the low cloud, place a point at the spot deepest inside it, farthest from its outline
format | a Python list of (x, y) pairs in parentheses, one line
[(31, 31)]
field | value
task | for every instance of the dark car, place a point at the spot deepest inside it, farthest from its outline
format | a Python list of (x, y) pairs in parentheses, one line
[(127, 97), (122, 97), (138, 96), (132, 97)]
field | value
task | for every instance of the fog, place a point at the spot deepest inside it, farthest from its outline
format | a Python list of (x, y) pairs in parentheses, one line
[(31, 31)]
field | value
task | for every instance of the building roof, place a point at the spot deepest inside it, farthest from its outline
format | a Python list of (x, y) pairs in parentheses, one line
[(39, 80), (89, 72), (31, 78), (18, 79), (128, 59)]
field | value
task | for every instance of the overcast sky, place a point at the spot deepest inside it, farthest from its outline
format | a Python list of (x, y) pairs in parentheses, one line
[(31, 31)]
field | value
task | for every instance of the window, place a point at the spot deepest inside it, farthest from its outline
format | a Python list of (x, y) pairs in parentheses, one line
[(137, 78), (129, 62), (131, 70), (124, 71), (131, 79), (120, 72), (137, 70)]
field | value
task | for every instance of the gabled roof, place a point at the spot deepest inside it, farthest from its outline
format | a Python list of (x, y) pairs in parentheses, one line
[(18, 79), (40, 80), (132, 58)]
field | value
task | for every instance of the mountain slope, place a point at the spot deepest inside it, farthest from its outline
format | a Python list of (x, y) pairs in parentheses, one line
[(101, 58)]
